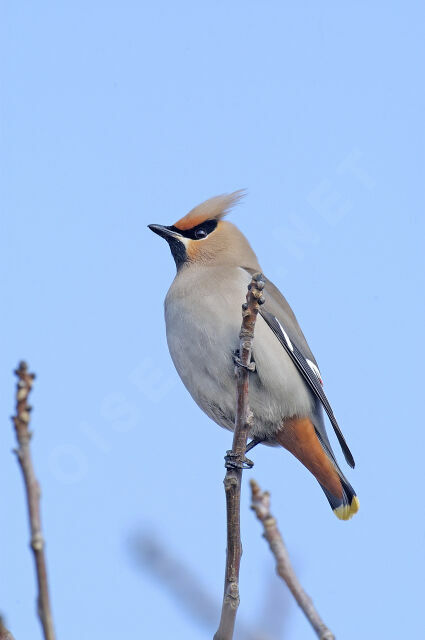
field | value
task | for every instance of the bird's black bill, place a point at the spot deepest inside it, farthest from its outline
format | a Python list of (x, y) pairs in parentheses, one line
[(175, 241), (162, 231)]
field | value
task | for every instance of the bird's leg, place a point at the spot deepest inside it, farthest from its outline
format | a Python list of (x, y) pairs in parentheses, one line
[(253, 444)]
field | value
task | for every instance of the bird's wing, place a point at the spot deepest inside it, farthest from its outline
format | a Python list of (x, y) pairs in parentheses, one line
[(280, 318)]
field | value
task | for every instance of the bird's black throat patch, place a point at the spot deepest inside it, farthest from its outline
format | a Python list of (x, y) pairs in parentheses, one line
[(178, 250)]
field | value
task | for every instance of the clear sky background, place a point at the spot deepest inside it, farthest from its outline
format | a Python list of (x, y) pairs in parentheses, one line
[(117, 115)]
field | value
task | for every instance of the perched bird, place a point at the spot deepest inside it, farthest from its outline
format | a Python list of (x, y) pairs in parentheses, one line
[(215, 263)]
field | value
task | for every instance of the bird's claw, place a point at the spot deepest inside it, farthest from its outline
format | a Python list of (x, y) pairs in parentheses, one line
[(238, 362), (234, 461)]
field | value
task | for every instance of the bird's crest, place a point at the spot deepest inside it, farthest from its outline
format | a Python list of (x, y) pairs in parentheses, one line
[(212, 209)]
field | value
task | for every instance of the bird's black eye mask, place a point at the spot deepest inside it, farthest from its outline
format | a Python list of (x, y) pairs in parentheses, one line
[(199, 232), (177, 247)]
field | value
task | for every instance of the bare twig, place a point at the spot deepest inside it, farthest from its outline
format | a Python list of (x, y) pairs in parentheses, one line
[(236, 461), (4, 633), (261, 506), (23, 435)]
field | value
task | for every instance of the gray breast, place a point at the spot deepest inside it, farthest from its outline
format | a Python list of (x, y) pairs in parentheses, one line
[(202, 333)]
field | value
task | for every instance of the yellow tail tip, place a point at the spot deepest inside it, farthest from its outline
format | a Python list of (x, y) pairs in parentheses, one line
[(346, 511)]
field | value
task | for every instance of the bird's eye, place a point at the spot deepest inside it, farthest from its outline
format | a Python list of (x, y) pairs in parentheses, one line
[(200, 233)]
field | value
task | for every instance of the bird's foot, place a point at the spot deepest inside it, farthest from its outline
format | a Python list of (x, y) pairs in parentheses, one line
[(238, 362), (235, 461)]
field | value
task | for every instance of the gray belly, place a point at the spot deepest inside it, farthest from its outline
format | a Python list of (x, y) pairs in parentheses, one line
[(202, 352)]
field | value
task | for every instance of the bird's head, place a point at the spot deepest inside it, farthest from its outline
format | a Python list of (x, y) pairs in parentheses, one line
[(203, 237)]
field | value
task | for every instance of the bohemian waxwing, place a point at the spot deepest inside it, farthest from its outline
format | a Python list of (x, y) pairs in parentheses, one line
[(203, 317)]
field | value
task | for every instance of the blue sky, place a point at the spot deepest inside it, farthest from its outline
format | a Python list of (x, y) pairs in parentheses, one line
[(114, 116)]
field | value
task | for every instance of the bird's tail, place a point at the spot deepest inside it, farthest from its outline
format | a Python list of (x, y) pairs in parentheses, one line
[(346, 506), (301, 438)]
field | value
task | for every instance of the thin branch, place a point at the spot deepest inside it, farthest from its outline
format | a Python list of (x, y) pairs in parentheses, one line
[(32, 488), (4, 633), (236, 461), (261, 506)]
